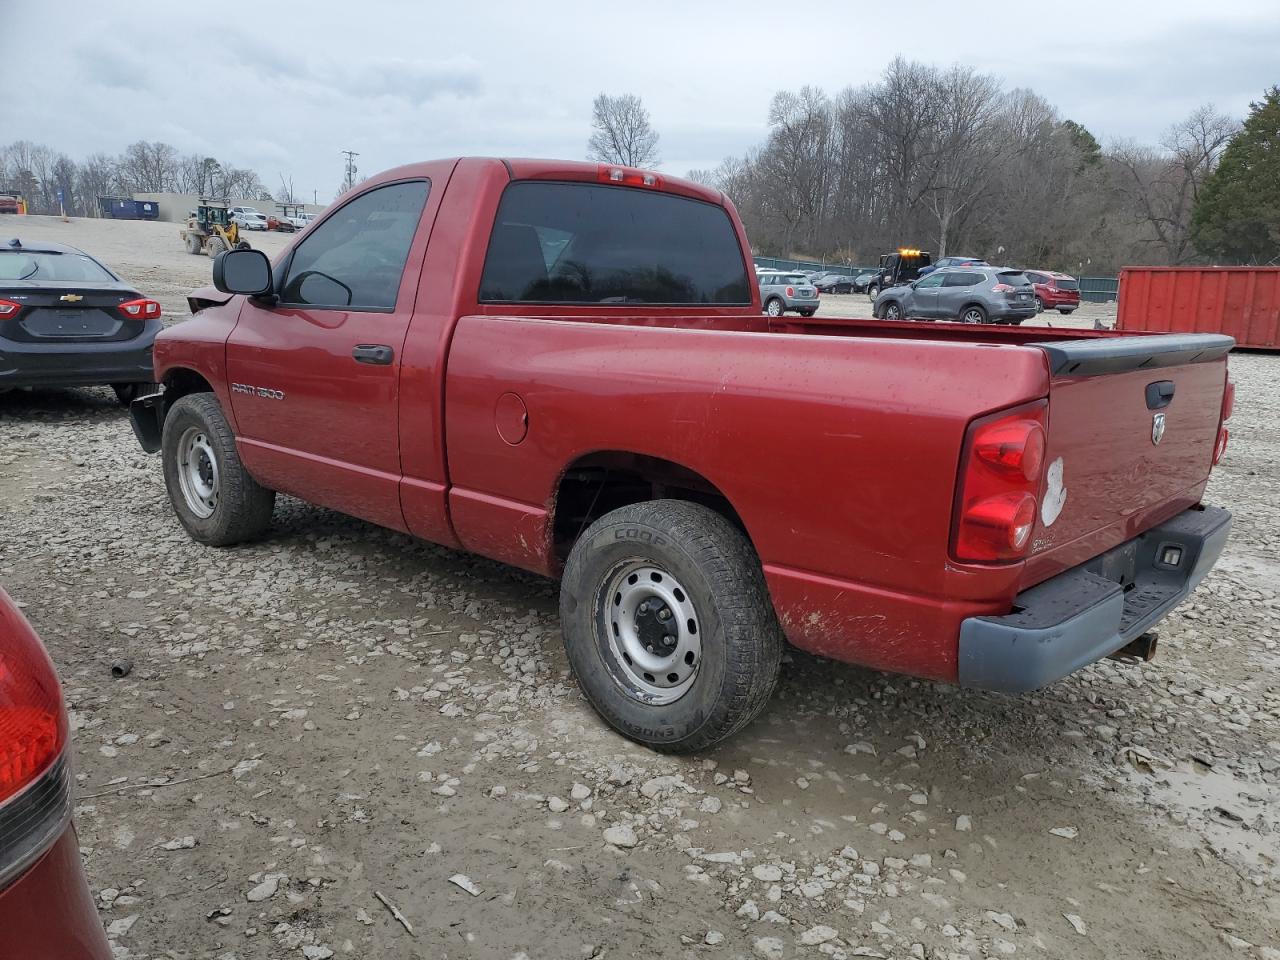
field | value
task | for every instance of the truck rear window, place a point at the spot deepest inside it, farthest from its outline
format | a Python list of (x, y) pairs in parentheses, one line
[(591, 243)]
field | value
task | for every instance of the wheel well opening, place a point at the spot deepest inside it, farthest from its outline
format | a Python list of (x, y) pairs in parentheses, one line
[(594, 485), (179, 383)]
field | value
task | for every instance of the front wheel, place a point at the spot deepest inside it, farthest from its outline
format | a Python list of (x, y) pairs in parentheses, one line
[(891, 311), (774, 307), (213, 495), (668, 625), (873, 291), (973, 314), (214, 246)]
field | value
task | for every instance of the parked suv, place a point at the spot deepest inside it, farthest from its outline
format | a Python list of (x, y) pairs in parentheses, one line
[(953, 262), (780, 292), (967, 294), (1055, 291)]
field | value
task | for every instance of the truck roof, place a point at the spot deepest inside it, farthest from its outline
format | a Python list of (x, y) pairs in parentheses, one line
[(526, 168)]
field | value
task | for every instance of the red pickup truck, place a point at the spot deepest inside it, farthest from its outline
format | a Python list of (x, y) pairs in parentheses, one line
[(564, 366)]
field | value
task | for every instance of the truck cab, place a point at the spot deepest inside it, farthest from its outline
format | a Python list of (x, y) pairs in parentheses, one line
[(901, 266)]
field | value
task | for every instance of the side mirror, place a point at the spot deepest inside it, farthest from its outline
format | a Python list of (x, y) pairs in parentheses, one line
[(243, 271)]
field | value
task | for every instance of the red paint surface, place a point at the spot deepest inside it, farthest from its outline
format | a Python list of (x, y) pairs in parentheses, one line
[(1242, 302), (837, 442), (48, 913)]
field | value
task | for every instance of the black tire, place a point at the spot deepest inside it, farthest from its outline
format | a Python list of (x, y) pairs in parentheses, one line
[(774, 307), (214, 246), (242, 507), (1066, 312), (807, 313), (873, 291), (973, 313), (126, 393), (193, 244), (1039, 305), (729, 615), (891, 311)]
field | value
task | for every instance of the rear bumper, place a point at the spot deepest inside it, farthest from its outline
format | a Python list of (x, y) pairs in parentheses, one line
[(1086, 614), (84, 364), (49, 911)]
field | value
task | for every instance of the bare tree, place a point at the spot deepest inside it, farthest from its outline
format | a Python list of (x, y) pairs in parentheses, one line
[(621, 132), (149, 167), (286, 193)]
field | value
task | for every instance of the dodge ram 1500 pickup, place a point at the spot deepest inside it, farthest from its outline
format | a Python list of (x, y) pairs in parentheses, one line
[(564, 366)]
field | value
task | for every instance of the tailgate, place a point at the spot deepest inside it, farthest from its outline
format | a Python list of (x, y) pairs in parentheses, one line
[(1132, 427)]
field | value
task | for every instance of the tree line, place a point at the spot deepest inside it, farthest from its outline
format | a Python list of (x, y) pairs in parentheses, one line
[(951, 161), (40, 174)]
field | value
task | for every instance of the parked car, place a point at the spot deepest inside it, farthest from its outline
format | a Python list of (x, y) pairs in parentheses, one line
[(780, 292), (834, 283), (250, 221), (862, 281), (563, 366), (282, 224), (952, 262), (966, 294), (67, 321), (1055, 291), (46, 909)]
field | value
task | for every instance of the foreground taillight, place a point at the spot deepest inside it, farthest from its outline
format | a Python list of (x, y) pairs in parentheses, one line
[(8, 309), (33, 725), (1228, 407), (999, 486), (140, 309)]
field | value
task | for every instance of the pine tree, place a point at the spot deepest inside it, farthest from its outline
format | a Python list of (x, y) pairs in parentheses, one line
[(1237, 216)]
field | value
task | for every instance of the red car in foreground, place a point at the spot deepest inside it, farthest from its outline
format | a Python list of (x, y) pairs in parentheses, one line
[(46, 910), (1055, 291)]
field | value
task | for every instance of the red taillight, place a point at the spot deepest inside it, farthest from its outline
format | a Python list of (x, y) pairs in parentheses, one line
[(791, 291), (33, 725), (8, 308), (627, 176), (1002, 288), (999, 486), (1228, 407), (140, 309)]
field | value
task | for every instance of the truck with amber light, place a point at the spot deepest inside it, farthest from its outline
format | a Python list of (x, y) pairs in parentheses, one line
[(564, 367)]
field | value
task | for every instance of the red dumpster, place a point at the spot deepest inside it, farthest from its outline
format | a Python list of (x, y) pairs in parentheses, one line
[(1242, 302)]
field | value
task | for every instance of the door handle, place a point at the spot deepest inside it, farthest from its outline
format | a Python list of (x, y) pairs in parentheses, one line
[(378, 353)]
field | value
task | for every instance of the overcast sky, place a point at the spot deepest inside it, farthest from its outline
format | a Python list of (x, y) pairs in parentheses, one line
[(293, 83)]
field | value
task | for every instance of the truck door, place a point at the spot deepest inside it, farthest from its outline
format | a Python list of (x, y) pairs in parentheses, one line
[(314, 377)]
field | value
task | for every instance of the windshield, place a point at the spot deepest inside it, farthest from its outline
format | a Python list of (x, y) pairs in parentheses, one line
[(74, 267)]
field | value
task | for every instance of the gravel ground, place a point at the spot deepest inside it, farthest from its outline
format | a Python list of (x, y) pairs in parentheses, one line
[(338, 714)]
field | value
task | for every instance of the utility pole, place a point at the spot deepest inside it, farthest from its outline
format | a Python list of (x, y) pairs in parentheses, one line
[(350, 180)]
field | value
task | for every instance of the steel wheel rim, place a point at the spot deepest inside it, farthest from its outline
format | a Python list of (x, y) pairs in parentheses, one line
[(198, 472), (654, 659)]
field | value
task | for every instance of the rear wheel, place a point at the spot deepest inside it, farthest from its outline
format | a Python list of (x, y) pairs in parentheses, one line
[(1066, 311), (1039, 305), (213, 495), (193, 244), (668, 625), (774, 307), (973, 314), (807, 313)]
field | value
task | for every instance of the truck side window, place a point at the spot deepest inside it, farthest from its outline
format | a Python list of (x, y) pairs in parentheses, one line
[(592, 243), (354, 260)]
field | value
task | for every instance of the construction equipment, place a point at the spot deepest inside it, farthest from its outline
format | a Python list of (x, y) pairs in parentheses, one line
[(210, 230), (901, 266)]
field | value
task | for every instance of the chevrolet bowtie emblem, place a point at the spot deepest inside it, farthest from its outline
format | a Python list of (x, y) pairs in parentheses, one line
[(71, 297)]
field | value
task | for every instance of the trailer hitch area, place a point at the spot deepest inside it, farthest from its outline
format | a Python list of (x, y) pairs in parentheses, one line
[(1140, 649)]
